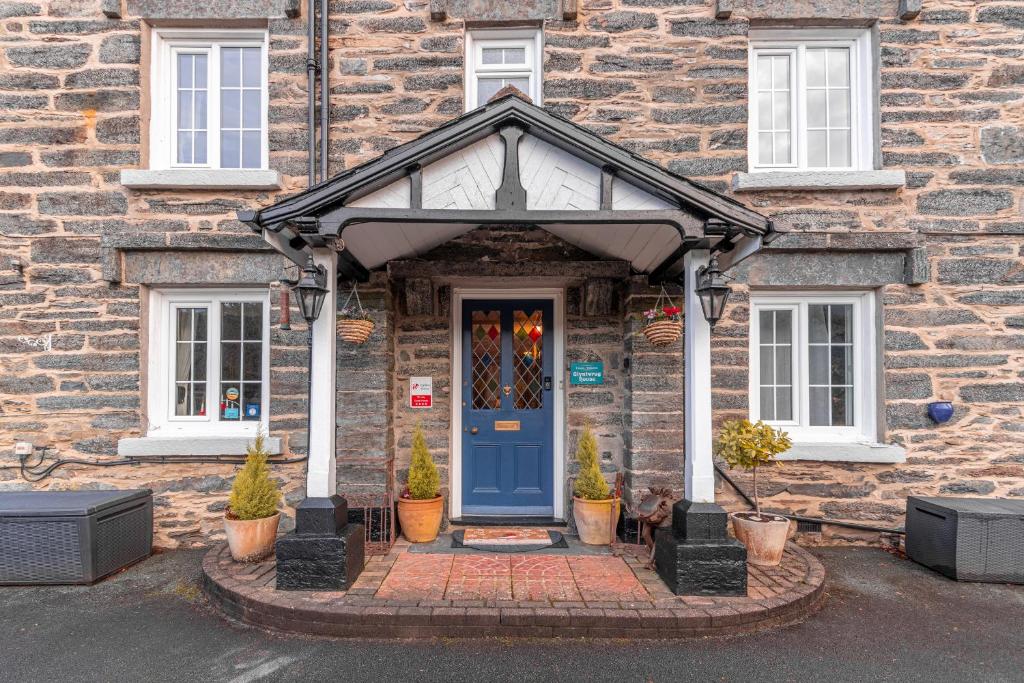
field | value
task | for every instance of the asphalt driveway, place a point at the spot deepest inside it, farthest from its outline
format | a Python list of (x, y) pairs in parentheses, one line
[(884, 619)]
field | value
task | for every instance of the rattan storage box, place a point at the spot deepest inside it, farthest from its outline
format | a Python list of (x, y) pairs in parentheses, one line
[(58, 537), (968, 539)]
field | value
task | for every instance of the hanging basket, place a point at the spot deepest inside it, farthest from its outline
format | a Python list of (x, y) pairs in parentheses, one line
[(354, 331), (663, 332)]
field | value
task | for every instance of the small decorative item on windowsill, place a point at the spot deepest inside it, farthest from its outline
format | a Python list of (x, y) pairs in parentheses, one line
[(664, 321), (354, 324), (749, 446)]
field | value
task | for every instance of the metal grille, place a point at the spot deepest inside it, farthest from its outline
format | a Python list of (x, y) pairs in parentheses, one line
[(40, 552), (486, 362), (121, 539), (527, 358), (379, 525)]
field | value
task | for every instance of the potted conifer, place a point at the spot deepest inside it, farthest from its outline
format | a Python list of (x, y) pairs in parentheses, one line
[(595, 511), (251, 518), (749, 446), (420, 507)]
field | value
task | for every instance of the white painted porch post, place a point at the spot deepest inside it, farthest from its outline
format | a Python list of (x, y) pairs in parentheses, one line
[(321, 477), (699, 484)]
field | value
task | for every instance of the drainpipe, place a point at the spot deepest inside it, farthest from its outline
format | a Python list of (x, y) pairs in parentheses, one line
[(311, 87), (325, 93)]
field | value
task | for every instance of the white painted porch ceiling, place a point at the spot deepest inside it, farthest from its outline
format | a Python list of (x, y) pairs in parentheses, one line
[(554, 180)]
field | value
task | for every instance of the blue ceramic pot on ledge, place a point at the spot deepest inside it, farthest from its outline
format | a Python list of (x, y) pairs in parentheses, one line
[(940, 411)]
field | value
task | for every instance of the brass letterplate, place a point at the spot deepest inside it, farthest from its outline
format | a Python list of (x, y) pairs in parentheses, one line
[(506, 425)]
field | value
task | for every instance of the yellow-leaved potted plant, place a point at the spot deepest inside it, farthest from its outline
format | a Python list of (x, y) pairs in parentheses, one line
[(251, 518), (594, 510), (420, 506), (750, 446)]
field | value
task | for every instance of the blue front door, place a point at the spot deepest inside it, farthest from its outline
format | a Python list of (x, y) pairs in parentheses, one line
[(507, 425)]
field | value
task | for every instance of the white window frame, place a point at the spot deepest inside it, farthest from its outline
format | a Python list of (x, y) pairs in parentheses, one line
[(864, 429), (161, 361), (532, 40), (794, 42), (166, 44)]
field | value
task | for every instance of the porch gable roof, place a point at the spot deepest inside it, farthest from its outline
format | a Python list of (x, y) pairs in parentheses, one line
[(505, 145)]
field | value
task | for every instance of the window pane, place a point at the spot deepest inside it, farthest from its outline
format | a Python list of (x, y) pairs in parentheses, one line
[(230, 361), (230, 108), (764, 148), (838, 108), (254, 321), (185, 70), (230, 401), (817, 148), (816, 109), (230, 67), (491, 55), (230, 149), (815, 60), (199, 399), (184, 147), (784, 365), (784, 327), (764, 72), (783, 148), (528, 359), (184, 317), (251, 109), (486, 89), (182, 400), (821, 409), (767, 404), (767, 365), (184, 109), (183, 362), (201, 64), (485, 352), (199, 361), (199, 316), (766, 321), (251, 149), (838, 67), (781, 109), (231, 321), (252, 356), (200, 148), (842, 407), (783, 403), (819, 364), (764, 110), (251, 67), (842, 365), (522, 84), (840, 320), (251, 398), (839, 148), (515, 55), (817, 326)]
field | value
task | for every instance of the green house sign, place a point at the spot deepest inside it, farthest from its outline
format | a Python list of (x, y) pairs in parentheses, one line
[(588, 373)]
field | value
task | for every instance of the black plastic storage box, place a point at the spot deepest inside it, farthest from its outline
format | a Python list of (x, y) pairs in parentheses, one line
[(59, 537), (968, 539)]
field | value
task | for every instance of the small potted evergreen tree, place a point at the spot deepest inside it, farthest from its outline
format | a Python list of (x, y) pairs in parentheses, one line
[(420, 507), (749, 446), (594, 510), (251, 518)]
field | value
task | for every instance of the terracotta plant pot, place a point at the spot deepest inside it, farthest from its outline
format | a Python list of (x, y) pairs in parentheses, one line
[(420, 519), (663, 332), (251, 540), (594, 521), (765, 538), (354, 331)]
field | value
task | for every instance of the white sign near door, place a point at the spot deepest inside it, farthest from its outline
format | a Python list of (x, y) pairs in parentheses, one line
[(421, 392)]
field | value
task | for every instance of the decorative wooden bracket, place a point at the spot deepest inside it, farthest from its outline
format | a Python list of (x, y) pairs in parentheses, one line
[(909, 9), (511, 195), (723, 9)]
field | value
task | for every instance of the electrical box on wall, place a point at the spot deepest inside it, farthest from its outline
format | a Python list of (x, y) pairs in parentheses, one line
[(23, 448)]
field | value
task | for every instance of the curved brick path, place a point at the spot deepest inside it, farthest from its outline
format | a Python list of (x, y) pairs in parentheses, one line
[(408, 594)]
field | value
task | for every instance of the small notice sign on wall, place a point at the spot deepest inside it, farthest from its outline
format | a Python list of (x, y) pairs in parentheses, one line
[(588, 373), (421, 392)]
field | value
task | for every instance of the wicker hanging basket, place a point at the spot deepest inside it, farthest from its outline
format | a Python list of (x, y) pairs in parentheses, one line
[(663, 332), (354, 331)]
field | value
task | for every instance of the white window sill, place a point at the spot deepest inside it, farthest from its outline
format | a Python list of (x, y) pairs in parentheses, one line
[(846, 452), (156, 446), (819, 180), (201, 179)]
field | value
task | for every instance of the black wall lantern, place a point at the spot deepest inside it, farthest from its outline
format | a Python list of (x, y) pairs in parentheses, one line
[(310, 291), (713, 290)]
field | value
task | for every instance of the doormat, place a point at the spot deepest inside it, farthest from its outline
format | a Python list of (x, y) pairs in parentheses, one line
[(507, 539)]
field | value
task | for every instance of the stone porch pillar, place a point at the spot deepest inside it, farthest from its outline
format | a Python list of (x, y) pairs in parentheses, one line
[(324, 552), (696, 556)]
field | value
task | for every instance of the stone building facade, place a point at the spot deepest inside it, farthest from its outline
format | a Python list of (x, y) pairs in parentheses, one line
[(81, 247)]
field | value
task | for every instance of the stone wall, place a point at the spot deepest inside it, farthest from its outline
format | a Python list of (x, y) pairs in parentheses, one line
[(665, 79)]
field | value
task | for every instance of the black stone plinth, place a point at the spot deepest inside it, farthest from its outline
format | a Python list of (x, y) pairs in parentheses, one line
[(324, 552), (697, 556)]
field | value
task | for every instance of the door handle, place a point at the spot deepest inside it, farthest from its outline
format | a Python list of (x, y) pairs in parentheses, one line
[(473, 430)]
